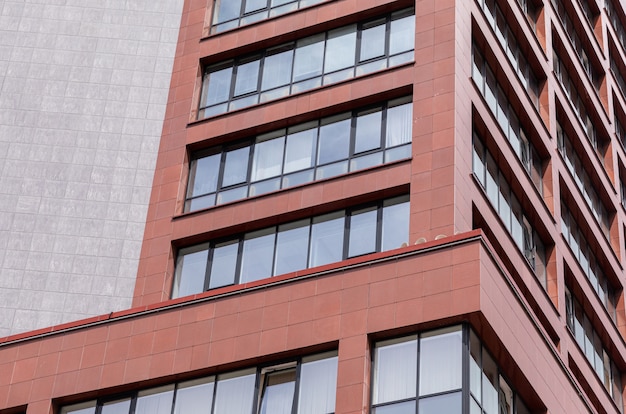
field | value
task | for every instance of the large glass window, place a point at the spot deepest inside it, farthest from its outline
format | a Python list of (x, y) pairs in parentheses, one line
[(507, 118), (425, 374), (229, 14), (508, 207), (587, 259), (582, 179), (303, 386), (511, 45), (317, 60), (571, 89), (293, 246), (614, 18), (315, 150), (593, 349)]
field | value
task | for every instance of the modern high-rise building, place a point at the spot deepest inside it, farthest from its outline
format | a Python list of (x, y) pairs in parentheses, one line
[(373, 206)]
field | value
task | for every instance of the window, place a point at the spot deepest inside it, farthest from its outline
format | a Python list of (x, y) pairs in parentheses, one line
[(303, 153), (425, 374), (614, 18), (591, 345), (293, 246), (308, 63), (577, 241), (509, 209), (229, 14), (571, 30), (303, 386), (507, 118), (570, 87), (511, 45), (582, 179)]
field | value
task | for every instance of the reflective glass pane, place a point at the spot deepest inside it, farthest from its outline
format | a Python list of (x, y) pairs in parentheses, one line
[(402, 37), (268, 159), (278, 392), (446, 403), (190, 271), (247, 75), (395, 370), (216, 86), (155, 401), (194, 396), (224, 264), (235, 393), (440, 361), (236, 166), (300, 151), (334, 141), (292, 247), (226, 10), (232, 195), (258, 255), (399, 125), (331, 170), (362, 232), (395, 223), (327, 239), (116, 407), (308, 59), (366, 161), (340, 48), (277, 70), (373, 42), (368, 130), (254, 5), (204, 174), (407, 407), (318, 386)]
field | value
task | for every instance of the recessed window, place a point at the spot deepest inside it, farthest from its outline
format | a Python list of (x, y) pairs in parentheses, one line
[(509, 209), (303, 153), (592, 347), (311, 242), (229, 14), (506, 116), (303, 386), (307, 63), (425, 374)]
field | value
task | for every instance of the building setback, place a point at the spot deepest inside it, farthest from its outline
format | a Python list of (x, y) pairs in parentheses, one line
[(385, 206)]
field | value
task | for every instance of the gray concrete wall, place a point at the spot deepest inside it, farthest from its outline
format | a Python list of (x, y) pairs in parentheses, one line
[(83, 88)]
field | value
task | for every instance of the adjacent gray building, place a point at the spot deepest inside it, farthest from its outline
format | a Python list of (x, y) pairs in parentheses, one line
[(83, 88)]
